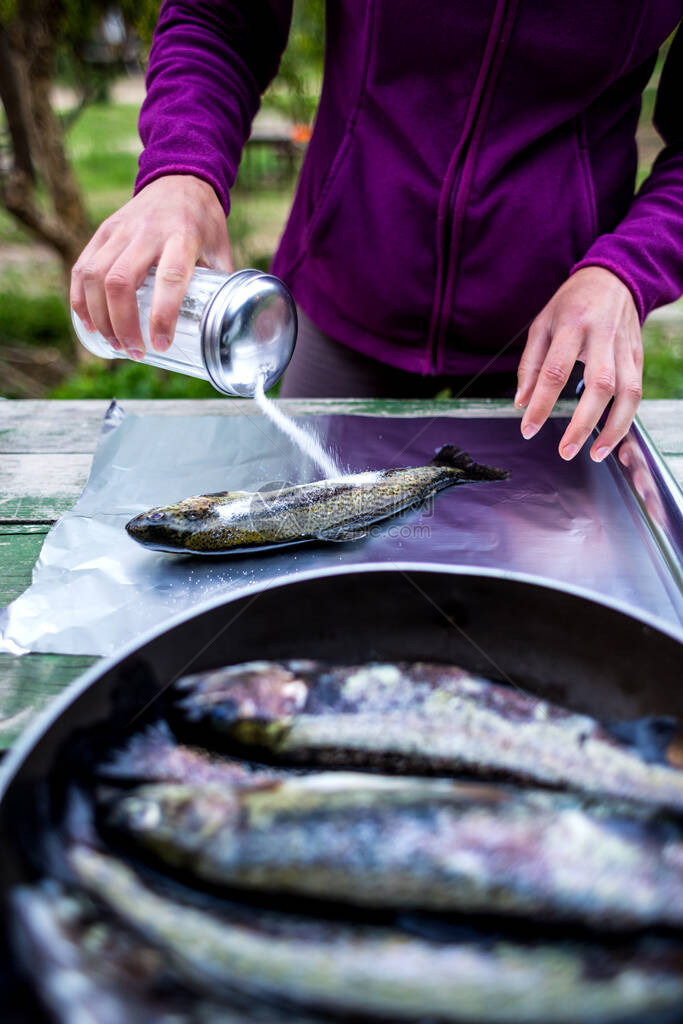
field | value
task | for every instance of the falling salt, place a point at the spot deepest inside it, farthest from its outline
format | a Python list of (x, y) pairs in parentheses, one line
[(304, 439)]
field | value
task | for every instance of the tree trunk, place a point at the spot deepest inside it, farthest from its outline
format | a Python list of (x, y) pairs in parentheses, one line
[(27, 56), (15, 111)]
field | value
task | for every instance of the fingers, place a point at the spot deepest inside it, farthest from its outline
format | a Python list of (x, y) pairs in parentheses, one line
[(538, 342), (611, 371), (552, 376), (121, 282), (592, 317), (173, 274), (91, 269), (174, 221), (111, 277), (77, 297), (600, 381), (626, 402)]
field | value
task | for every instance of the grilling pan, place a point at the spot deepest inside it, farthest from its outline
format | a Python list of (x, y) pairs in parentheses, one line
[(590, 656)]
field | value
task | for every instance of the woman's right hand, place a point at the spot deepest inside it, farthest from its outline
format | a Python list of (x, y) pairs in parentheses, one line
[(176, 222)]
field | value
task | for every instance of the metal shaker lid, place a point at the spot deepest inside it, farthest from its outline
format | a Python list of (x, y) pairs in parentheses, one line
[(249, 329)]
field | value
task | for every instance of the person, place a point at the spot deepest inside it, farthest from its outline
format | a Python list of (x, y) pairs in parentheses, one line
[(465, 208)]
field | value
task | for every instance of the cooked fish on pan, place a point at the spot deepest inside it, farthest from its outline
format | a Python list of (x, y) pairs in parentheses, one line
[(419, 718), (347, 969), (89, 969), (155, 755), (435, 844)]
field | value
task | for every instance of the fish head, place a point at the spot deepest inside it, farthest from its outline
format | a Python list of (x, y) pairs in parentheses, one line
[(164, 810), (175, 527)]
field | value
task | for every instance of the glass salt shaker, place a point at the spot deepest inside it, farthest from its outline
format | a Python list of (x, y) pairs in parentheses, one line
[(231, 330)]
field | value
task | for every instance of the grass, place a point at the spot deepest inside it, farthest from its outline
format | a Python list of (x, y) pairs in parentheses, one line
[(663, 368), (125, 379), (662, 377), (39, 319), (104, 146)]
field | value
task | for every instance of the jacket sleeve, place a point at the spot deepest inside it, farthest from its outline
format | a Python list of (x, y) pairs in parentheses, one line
[(209, 63), (646, 249)]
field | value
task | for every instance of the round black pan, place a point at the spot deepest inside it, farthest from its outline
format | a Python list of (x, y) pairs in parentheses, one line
[(579, 652)]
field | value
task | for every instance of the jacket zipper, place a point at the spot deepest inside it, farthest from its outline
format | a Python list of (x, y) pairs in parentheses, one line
[(458, 179)]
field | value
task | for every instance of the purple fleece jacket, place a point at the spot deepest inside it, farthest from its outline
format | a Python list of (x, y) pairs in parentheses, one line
[(466, 157)]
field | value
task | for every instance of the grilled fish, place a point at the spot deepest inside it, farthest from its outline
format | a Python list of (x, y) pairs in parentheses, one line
[(336, 510), (358, 969), (418, 718), (87, 967), (154, 755), (430, 843)]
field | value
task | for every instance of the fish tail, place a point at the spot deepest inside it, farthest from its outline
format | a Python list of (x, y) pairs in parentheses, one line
[(452, 457)]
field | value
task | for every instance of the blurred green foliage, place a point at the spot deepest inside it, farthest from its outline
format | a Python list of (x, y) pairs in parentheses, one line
[(126, 379), (296, 89), (40, 319), (78, 21), (662, 375), (663, 370)]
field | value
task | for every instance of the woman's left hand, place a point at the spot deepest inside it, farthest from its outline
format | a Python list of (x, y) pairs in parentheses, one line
[(594, 319)]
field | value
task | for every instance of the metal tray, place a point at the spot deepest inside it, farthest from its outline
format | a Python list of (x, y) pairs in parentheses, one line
[(614, 530)]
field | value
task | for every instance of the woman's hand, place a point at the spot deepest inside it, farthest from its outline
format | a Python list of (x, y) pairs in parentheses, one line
[(176, 222), (592, 318)]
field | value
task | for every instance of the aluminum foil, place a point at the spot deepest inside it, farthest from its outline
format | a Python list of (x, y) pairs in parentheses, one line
[(94, 589)]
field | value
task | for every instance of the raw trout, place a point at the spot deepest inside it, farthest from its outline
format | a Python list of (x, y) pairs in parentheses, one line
[(336, 510), (429, 843), (419, 718), (347, 969)]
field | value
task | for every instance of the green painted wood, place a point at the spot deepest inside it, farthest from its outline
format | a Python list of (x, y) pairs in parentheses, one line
[(28, 684), (663, 420), (19, 549), (72, 427), (39, 488), (675, 464)]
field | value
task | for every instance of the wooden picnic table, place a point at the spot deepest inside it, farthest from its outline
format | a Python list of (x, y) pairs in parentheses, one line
[(45, 452)]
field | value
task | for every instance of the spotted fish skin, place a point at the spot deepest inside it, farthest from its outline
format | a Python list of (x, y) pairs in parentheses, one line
[(419, 718), (233, 521), (89, 969), (434, 844), (353, 969)]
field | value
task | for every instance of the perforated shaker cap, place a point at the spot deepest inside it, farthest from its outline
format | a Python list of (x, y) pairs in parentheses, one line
[(248, 330)]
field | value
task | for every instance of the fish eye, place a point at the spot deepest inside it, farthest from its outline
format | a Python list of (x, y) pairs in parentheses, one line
[(192, 515), (156, 516)]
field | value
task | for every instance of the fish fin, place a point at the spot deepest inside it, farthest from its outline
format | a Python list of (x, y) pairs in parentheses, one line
[(140, 754), (453, 457), (342, 534), (649, 736), (228, 495), (423, 502)]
